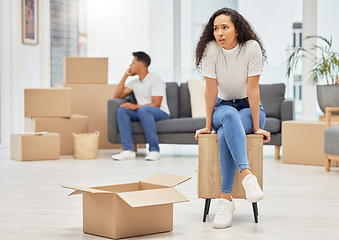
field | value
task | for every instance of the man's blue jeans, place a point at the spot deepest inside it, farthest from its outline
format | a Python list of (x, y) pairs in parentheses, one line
[(146, 115), (233, 120)]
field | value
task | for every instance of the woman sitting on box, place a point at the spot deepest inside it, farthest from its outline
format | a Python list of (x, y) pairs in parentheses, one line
[(230, 56)]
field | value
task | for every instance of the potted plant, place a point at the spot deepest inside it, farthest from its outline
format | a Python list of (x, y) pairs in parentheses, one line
[(326, 69)]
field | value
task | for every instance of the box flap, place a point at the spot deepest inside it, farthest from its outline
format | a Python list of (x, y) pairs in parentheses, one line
[(152, 197), (79, 190), (167, 180)]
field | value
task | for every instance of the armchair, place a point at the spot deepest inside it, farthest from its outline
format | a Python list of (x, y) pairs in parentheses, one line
[(331, 138)]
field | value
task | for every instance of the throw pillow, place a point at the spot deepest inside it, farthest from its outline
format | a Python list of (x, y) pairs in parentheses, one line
[(196, 88)]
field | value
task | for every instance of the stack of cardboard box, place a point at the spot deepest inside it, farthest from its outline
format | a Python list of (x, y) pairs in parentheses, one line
[(78, 107), (88, 79), (50, 110)]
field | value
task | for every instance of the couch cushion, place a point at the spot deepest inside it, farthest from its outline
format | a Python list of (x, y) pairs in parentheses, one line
[(176, 125), (184, 101), (196, 89), (172, 93), (272, 96), (331, 140), (273, 125), (180, 125)]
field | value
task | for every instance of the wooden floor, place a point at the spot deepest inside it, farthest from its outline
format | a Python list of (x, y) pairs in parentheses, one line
[(301, 202)]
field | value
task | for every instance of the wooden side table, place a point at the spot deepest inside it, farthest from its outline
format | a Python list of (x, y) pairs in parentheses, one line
[(209, 175)]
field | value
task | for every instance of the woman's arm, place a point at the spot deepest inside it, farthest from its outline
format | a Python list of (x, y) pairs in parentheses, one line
[(253, 95), (211, 92)]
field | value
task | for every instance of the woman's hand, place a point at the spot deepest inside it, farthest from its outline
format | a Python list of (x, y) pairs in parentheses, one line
[(201, 131), (266, 135)]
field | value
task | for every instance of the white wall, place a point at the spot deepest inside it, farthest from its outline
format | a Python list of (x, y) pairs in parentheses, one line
[(22, 66), (4, 71), (160, 35), (328, 20), (115, 29)]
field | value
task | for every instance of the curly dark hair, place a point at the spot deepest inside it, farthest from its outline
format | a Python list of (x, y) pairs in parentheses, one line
[(242, 26)]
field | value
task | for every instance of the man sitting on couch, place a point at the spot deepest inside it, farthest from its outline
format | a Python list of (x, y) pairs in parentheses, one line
[(150, 93)]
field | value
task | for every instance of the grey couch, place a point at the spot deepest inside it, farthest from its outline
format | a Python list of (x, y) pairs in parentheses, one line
[(181, 127)]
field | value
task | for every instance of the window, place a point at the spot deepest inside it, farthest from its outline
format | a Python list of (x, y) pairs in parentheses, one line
[(64, 35)]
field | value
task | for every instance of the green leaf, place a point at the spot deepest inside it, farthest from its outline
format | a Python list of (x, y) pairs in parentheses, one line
[(326, 63)]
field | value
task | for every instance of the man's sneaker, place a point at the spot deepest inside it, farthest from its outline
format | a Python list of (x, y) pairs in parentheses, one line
[(153, 156), (124, 155), (252, 188), (223, 217)]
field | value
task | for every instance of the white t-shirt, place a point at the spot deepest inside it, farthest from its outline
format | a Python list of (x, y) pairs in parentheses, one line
[(150, 86), (232, 67)]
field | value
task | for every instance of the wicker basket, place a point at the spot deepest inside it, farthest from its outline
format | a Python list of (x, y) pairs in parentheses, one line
[(86, 145)]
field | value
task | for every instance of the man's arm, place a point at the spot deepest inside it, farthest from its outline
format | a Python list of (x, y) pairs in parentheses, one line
[(121, 91), (156, 102), (157, 93)]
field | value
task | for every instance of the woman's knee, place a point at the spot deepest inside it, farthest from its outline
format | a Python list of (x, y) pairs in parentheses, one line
[(230, 114), (225, 114)]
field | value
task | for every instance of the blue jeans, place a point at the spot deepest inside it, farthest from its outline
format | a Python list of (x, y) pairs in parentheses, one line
[(232, 120), (146, 115)]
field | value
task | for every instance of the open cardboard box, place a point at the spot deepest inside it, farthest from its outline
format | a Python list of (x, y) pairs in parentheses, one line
[(131, 209)]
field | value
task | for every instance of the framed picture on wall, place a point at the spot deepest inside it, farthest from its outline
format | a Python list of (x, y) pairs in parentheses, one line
[(30, 22)]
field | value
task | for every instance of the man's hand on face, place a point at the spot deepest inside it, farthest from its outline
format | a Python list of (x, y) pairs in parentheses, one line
[(128, 73), (129, 105)]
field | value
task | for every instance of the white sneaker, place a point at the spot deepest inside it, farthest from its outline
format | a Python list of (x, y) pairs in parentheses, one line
[(252, 188), (124, 155), (223, 217), (153, 156)]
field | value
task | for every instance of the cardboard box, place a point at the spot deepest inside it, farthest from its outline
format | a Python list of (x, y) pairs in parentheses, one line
[(303, 143), (91, 100), (64, 126), (85, 70), (49, 102), (132, 209), (35, 146)]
